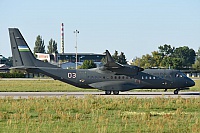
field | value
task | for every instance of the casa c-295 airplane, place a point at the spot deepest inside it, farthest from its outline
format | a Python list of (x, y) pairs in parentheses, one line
[(112, 77)]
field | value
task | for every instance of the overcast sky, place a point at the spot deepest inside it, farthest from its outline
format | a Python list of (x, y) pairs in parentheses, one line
[(135, 27)]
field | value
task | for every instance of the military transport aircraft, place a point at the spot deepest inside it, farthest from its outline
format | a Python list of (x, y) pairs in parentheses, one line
[(112, 77)]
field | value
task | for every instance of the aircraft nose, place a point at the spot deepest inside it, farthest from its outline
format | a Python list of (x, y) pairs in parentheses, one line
[(190, 82)]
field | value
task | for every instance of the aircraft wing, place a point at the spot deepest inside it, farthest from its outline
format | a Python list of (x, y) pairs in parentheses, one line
[(113, 66)]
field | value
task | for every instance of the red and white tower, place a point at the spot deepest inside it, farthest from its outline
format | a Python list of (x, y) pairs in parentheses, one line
[(62, 38)]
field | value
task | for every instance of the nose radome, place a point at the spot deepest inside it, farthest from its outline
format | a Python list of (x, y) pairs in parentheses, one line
[(190, 82)]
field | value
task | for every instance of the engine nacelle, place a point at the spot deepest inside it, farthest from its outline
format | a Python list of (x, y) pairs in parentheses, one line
[(126, 70)]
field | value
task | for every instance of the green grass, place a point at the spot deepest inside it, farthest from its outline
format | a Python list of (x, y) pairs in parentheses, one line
[(96, 114), (38, 85), (54, 86)]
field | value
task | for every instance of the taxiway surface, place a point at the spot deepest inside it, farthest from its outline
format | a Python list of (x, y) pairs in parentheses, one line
[(17, 95)]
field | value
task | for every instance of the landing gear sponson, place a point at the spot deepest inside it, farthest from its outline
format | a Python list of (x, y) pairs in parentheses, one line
[(109, 92)]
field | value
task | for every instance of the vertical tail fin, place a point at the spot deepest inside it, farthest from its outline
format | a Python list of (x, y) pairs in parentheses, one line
[(22, 55), (110, 62)]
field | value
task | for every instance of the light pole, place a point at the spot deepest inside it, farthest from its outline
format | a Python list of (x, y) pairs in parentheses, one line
[(76, 32)]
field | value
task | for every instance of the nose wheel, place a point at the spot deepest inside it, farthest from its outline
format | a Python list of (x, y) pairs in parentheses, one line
[(176, 92)]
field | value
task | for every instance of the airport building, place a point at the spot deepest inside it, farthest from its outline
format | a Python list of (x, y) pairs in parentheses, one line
[(69, 59), (3, 66), (3, 59)]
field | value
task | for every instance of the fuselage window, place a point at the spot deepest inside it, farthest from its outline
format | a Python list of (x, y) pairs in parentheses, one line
[(119, 77), (146, 77), (150, 77), (111, 77), (115, 77), (103, 77), (122, 77), (126, 77), (154, 77), (142, 77)]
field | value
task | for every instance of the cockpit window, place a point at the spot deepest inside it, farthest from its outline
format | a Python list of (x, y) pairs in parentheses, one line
[(183, 75), (180, 75)]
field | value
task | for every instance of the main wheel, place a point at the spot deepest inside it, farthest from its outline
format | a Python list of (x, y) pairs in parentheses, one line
[(115, 92), (175, 92), (107, 92)]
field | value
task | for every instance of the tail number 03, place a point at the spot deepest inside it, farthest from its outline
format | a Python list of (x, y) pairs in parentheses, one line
[(71, 75)]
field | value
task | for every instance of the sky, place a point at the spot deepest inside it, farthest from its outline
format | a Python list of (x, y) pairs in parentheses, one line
[(135, 27)]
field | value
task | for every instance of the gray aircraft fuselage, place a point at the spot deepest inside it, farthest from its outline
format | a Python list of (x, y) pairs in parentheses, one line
[(111, 77), (107, 80)]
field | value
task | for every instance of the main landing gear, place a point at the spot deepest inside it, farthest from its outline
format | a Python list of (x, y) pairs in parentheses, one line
[(109, 92)]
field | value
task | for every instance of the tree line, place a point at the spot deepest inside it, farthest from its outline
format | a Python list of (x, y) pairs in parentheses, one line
[(166, 56), (40, 47)]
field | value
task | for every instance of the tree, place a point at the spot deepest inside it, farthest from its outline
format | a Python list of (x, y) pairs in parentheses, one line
[(196, 65), (115, 56), (198, 53), (176, 63), (185, 55), (168, 56), (52, 47), (87, 64), (119, 58), (39, 45), (147, 61), (166, 50), (156, 58), (122, 58)]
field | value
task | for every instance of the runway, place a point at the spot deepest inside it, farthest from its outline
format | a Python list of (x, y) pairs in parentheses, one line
[(25, 95)]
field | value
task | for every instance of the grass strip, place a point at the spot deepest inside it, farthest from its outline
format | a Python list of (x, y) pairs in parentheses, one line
[(100, 115)]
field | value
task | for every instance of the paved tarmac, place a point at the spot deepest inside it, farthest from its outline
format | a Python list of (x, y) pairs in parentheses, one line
[(17, 95)]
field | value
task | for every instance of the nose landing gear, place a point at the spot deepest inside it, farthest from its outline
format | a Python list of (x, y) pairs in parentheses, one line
[(176, 91)]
